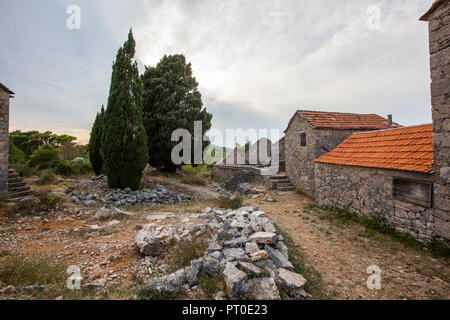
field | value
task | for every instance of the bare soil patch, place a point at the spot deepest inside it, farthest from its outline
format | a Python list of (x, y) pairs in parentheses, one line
[(342, 253)]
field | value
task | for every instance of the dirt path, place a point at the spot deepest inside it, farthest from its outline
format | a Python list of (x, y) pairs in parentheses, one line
[(342, 253)]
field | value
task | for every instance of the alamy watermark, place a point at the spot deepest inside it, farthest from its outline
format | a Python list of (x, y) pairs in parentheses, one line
[(263, 153), (74, 280), (374, 280), (73, 22), (373, 21)]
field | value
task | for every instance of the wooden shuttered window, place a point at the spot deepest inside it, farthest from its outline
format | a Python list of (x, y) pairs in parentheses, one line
[(302, 139), (413, 191)]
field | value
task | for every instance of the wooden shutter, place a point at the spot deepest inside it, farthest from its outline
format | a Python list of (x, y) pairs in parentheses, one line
[(303, 139), (413, 191)]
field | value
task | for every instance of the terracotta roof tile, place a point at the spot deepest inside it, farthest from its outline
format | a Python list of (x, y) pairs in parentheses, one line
[(405, 148), (321, 119)]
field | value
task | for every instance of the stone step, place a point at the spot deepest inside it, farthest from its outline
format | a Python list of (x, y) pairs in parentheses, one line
[(15, 180), (285, 184), (279, 180), (16, 184), (18, 189), (20, 195), (12, 175), (285, 188), (278, 177)]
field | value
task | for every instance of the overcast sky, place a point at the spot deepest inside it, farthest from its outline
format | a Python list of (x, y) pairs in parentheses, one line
[(256, 61)]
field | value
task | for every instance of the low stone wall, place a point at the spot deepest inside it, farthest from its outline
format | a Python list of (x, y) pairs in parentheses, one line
[(221, 173), (368, 191)]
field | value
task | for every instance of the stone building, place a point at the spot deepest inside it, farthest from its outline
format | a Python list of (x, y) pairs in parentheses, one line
[(385, 174), (5, 94), (311, 134), (258, 159), (438, 17), (400, 175)]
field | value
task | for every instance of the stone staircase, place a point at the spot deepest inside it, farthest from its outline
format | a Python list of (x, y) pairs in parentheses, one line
[(17, 188), (281, 182)]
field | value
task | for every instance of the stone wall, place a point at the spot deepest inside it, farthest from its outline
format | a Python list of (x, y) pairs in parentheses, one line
[(368, 191), (299, 160), (4, 129), (439, 38), (221, 173)]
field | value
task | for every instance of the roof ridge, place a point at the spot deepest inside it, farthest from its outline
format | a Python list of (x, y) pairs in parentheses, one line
[(338, 112), (391, 129)]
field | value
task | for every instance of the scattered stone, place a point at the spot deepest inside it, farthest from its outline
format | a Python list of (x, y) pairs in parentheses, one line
[(33, 288), (27, 199), (251, 247), (270, 199), (160, 216), (250, 268), (292, 283), (219, 296), (259, 255), (191, 275), (263, 237), (148, 244), (233, 253), (236, 242), (236, 282), (211, 266), (263, 289), (113, 222), (8, 290), (278, 258), (240, 177)]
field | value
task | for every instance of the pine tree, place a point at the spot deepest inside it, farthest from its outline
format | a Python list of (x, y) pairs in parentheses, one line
[(95, 143), (171, 101), (124, 143)]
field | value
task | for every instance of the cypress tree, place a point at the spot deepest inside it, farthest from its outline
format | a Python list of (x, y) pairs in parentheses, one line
[(95, 142), (171, 101), (124, 144)]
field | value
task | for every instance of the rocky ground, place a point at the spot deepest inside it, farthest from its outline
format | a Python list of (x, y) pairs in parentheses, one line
[(182, 245)]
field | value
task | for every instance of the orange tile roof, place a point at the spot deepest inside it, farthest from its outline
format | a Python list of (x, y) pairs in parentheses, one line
[(339, 120), (406, 148)]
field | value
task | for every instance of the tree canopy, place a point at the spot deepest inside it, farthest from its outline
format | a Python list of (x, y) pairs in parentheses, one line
[(171, 101), (124, 143)]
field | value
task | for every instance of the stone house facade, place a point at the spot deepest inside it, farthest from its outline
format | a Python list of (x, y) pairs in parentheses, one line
[(311, 134), (400, 175), (386, 174), (438, 17), (5, 94)]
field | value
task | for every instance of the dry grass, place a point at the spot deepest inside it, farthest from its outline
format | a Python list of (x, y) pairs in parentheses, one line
[(184, 252), (194, 180), (17, 270), (234, 202)]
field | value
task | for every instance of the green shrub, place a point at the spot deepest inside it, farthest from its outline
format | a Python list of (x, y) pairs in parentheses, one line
[(64, 168), (24, 169), (46, 177), (201, 168), (44, 157), (81, 167), (16, 155), (234, 202), (48, 199)]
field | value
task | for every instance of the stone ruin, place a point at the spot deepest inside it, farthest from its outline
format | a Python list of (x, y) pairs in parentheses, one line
[(245, 249)]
